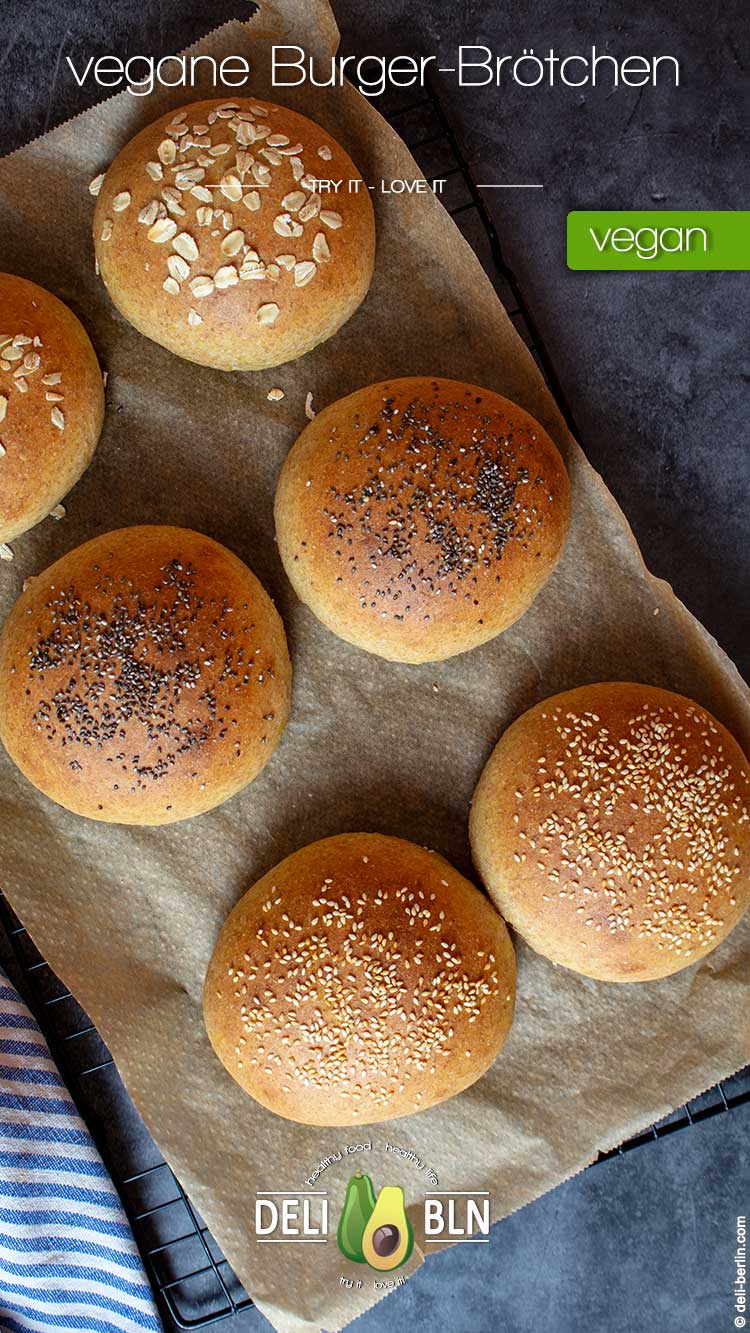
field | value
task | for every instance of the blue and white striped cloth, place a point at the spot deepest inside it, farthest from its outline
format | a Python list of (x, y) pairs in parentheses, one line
[(68, 1261)]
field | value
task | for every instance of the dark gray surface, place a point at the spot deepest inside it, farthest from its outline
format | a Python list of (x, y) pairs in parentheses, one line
[(657, 370), (657, 367)]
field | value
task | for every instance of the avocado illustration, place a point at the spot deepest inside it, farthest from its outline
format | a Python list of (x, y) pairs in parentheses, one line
[(388, 1240), (358, 1205)]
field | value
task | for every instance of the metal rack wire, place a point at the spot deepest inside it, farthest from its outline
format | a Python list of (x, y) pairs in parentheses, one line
[(194, 1284)]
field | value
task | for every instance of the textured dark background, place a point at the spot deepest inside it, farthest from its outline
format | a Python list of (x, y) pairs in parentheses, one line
[(657, 370)]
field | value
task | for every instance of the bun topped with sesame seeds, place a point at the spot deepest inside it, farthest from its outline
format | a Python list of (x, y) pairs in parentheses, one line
[(418, 518), (361, 979), (51, 403), (145, 677), (611, 826), (213, 238)]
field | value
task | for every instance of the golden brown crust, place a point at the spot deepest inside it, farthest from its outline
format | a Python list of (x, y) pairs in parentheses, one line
[(51, 403), (145, 677), (361, 979), (611, 826), (418, 518), (246, 200)]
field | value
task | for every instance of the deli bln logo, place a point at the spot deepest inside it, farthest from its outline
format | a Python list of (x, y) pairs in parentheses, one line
[(370, 1227)]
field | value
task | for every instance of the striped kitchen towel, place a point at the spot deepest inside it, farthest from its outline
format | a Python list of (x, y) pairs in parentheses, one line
[(68, 1261)]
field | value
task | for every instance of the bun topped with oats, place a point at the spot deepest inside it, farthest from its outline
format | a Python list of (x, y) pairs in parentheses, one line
[(213, 239), (361, 979), (611, 826), (51, 403)]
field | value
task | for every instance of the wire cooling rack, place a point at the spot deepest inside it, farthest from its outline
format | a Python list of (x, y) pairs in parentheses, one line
[(194, 1284)]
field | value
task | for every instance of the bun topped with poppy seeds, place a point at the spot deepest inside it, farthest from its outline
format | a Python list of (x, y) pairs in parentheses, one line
[(145, 677), (418, 518)]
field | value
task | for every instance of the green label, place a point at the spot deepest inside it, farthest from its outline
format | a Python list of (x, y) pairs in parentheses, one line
[(659, 238)]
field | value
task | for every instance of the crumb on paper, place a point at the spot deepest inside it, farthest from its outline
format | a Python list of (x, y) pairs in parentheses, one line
[(5, 551), (309, 410), (275, 395), (58, 512)]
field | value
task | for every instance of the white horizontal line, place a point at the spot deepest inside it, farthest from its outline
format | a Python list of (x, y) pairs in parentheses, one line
[(266, 1194), (456, 1240), (273, 1240), (468, 1193), (517, 186)]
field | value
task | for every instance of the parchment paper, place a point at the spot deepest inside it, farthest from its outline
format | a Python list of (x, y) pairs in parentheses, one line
[(128, 917)]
